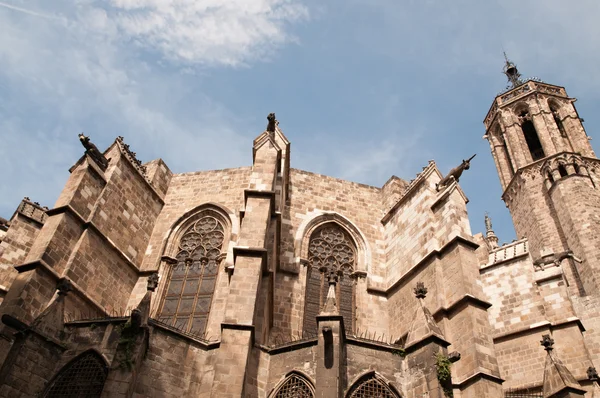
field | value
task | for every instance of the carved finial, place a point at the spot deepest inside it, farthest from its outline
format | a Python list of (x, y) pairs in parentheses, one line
[(152, 282), (420, 290), (332, 278), (512, 73), (64, 286), (488, 223), (547, 342), (592, 374), (272, 123)]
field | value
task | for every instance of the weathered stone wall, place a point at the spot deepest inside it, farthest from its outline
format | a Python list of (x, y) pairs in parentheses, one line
[(361, 360), (28, 367), (424, 222), (577, 205), (15, 245), (527, 303), (127, 209), (175, 367), (280, 364), (510, 286)]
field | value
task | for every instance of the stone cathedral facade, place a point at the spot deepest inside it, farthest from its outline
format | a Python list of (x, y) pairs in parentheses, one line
[(269, 281)]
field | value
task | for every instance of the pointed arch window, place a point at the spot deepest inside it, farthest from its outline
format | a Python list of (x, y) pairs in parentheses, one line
[(556, 116), (83, 377), (531, 137), (191, 281), (294, 386), (330, 250), (371, 386)]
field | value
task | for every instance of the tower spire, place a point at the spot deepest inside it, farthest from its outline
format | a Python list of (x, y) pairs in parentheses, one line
[(490, 236), (512, 73)]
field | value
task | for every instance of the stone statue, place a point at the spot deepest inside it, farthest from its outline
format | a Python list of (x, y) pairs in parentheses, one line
[(455, 173), (272, 123), (488, 223), (93, 151)]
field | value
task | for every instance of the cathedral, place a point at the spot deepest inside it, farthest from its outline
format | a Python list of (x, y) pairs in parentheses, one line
[(270, 281)]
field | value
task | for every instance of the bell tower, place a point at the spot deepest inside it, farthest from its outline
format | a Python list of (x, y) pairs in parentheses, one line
[(548, 172)]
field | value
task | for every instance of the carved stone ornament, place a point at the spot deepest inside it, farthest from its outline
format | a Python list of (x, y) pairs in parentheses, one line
[(93, 152), (152, 282), (272, 123), (547, 342), (64, 286), (455, 173), (592, 374), (420, 290)]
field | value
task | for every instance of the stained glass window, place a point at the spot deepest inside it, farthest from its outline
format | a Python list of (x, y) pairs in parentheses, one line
[(294, 386), (371, 388), (83, 377), (192, 279), (330, 250)]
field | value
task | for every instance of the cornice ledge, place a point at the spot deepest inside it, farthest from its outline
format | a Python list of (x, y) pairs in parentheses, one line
[(466, 299), (374, 345), (41, 264), (479, 374), (89, 224), (287, 347), (428, 339), (539, 325), (533, 165), (434, 254)]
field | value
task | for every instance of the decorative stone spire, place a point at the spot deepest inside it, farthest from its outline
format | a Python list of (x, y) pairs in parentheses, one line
[(490, 236), (330, 306), (558, 380), (423, 325), (512, 73)]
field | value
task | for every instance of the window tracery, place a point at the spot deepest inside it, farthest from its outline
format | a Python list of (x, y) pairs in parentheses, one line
[(295, 386), (191, 284), (83, 377), (330, 250), (372, 387)]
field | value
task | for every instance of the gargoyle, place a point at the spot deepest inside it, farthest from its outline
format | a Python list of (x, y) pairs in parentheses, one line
[(455, 173), (93, 151), (272, 123)]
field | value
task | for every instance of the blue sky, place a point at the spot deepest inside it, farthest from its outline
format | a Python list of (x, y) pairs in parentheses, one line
[(364, 89)]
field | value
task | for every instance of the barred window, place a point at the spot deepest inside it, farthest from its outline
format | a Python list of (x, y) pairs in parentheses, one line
[(82, 377), (191, 281), (294, 386), (371, 387), (330, 250)]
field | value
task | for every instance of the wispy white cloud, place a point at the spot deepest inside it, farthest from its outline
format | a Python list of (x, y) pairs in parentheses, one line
[(75, 69), (209, 32)]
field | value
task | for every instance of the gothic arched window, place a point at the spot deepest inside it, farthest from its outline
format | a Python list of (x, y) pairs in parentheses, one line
[(531, 136), (191, 281), (294, 386), (556, 116), (330, 250), (82, 377), (370, 387)]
